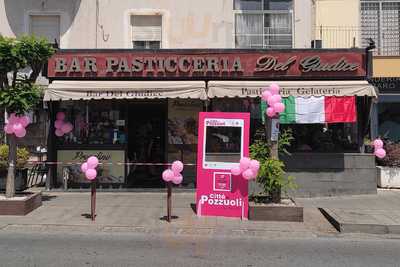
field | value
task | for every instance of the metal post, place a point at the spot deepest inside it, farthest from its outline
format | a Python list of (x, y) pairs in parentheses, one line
[(93, 200), (169, 201)]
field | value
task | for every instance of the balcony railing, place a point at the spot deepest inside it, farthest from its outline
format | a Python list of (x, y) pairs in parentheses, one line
[(338, 36), (387, 42)]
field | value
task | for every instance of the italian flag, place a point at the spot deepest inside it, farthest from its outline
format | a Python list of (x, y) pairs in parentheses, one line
[(319, 109)]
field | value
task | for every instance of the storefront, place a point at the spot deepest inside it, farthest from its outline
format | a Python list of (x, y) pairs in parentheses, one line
[(138, 110)]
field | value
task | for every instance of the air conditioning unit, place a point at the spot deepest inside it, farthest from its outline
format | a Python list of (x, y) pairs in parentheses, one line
[(316, 43)]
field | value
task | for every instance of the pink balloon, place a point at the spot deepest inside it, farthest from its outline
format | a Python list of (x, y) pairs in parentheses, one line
[(279, 107), (24, 120), (254, 165), (266, 95), (248, 174), (92, 162), (177, 167), (12, 118), (70, 126), (380, 153), (17, 126), (20, 132), (236, 170), (167, 175), (91, 174), (67, 127), (270, 112), (9, 129), (271, 101), (58, 124), (274, 88), (59, 133), (60, 116), (84, 167), (244, 163), (177, 179), (378, 143), (277, 98)]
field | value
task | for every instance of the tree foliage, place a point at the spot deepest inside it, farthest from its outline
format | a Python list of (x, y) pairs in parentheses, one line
[(271, 175)]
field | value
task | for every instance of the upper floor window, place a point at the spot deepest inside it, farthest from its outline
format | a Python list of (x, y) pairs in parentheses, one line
[(46, 26), (380, 21), (146, 31), (263, 23)]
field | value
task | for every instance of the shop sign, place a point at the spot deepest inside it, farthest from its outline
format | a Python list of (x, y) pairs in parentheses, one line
[(386, 85), (179, 64), (223, 141), (112, 171)]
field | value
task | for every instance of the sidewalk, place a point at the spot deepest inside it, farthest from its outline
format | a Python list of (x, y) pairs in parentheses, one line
[(372, 214), (142, 212)]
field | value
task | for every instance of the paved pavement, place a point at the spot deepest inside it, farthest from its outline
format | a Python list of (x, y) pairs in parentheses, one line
[(143, 213), (373, 214), (136, 249)]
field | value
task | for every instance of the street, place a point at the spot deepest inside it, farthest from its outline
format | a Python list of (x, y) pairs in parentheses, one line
[(136, 249)]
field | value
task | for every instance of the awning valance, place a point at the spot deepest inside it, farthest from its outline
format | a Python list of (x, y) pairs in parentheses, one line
[(291, 88), (75, 90)]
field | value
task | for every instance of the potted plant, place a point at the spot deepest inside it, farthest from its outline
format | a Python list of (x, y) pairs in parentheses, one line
[(389, 167), (268, 205), (21, 175)]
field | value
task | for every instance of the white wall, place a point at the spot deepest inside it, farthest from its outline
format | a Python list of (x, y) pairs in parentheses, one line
[(303, 21), (186, 23)]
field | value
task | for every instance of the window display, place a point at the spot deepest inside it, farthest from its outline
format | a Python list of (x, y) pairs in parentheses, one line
[(329, 138), (95, 123)]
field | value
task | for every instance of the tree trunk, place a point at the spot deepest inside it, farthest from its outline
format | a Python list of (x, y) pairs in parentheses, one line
[(12, 160)]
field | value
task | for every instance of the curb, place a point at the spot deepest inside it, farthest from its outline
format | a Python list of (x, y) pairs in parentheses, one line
[(360, 228)]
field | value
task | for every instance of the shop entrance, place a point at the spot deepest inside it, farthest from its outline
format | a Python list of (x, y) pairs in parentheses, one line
[(146, 143)]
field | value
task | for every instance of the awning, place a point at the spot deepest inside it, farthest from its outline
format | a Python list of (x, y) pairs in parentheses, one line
[(293, 88), (75, 90)]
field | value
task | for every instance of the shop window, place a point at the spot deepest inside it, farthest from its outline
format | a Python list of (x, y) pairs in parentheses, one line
[(251, 105), (146, 31), (389, 121), (95, 123), (337, 137), (46, 26), (263, 23), (323, 138)]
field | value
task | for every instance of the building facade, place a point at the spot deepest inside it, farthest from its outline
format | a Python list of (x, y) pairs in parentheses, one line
[(132, 77)]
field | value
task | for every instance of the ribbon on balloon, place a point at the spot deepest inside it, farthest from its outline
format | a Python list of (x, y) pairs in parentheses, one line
[(274, 100), (379, 152), (62, 126), (248, 168), (16, 125)]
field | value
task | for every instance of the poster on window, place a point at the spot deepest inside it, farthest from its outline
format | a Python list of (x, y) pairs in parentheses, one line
[(182, 121), (110, 171)]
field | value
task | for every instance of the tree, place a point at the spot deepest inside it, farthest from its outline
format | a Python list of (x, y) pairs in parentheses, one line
[(18, 92)]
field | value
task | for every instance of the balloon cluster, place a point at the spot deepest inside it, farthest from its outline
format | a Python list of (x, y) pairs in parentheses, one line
[(379, 152), (16, 125), (61, 126), (174, 174), (89, 167), (248, 168), (274, 100)]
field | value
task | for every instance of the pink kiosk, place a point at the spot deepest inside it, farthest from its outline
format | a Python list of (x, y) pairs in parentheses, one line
[(223, 141)]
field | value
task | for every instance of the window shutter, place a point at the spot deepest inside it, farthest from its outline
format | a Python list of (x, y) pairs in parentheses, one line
[(146, 28), (45, 26)]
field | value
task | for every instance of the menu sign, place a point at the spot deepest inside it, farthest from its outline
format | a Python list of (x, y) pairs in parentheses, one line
[(217, 64)]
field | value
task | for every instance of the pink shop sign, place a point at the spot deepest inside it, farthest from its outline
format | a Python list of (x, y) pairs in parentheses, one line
[(223, 141)]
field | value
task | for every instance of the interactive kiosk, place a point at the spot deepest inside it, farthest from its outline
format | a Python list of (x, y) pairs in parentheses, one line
[(223, 141)]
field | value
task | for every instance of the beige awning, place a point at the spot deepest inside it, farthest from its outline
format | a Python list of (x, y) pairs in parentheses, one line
[(291, 88), (75, 90)]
